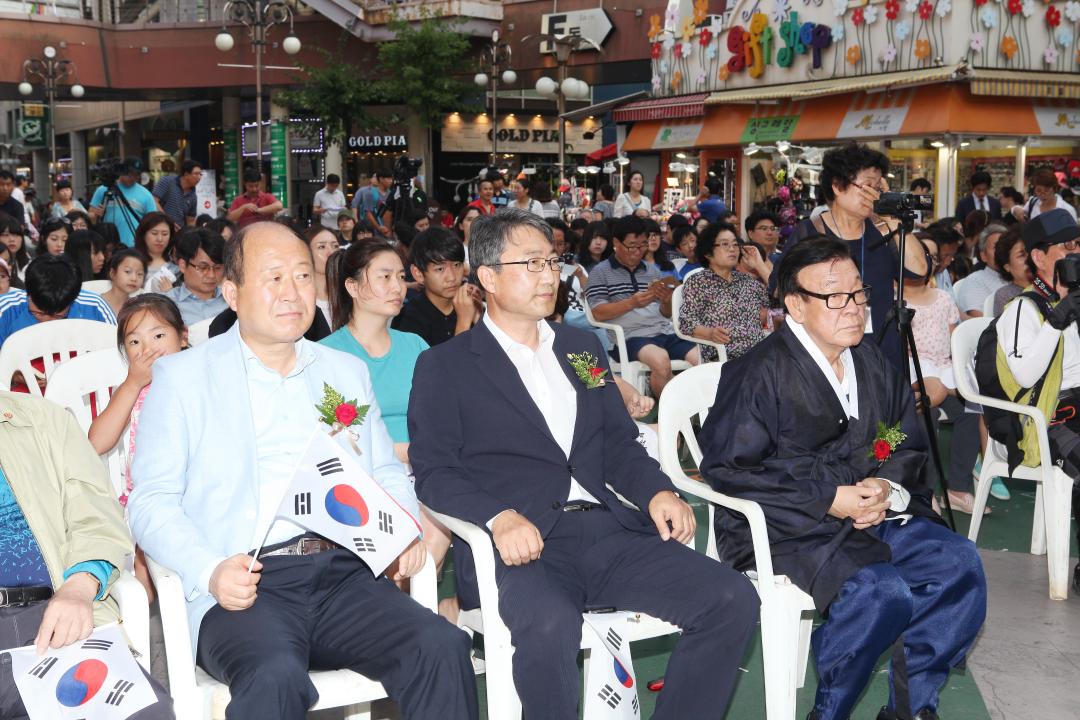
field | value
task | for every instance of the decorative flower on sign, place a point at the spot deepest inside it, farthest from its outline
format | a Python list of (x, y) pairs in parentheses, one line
[(705, 37), (657, 48), (1064, 36), (911, 5), (664, 66), (701, 11), (837, 32), (701, 77), (892, 9), (780, 10), (977, 41), (889, 55), (857, 17), (1050, 55), (1009, 46), (710, 52), (922, 49), (676, 80), (725, 73), (854, 54), (980, 3), (656, 83), (1014, 7), (655, 28), (686, 49), (688, 29), (925, 9), (671, 16), (870, 13), (989, 15), (669, 42), (1028, 8), (1053, 16), (903, 30), (1072, 11), (839, 7), (943, 8)]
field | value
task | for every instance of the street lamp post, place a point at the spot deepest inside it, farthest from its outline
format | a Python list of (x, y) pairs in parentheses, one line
[(565, 87), (496, 54), (49, 71), (258, 17)]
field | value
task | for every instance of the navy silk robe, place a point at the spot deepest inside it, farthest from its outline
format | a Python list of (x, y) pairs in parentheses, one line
[(778, 435)]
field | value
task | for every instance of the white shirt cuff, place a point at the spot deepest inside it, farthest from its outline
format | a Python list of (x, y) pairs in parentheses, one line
[(490, 523), (899, 497)]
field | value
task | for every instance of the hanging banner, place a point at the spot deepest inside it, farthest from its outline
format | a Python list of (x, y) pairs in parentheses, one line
[(279, 163), (231, 172), (206, 194)]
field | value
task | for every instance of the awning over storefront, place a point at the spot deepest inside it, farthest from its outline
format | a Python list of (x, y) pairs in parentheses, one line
[(602, 108), (832, 86), (608, 152), (667, 108), (1010, 83)]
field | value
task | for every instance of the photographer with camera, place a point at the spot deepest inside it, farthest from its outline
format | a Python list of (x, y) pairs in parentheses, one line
[(121, 200), (1039, 340)]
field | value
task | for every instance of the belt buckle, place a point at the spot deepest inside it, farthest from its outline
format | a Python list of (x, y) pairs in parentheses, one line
[(302, 547), (4, 598)]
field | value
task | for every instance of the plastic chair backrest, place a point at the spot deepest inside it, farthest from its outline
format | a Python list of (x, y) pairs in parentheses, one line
[(689, 393), (199, 332), (956, 287), (965, 341), (62, 338), (84, 386), (988, 306), (97, 286), (676, 311)]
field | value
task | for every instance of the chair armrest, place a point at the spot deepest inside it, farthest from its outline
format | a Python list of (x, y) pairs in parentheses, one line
[(174, 624), (134, 606), (483, 553), (1035, 414), (759, 533), (423, 586)]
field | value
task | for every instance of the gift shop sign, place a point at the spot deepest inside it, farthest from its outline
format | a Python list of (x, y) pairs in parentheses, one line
[(873, 123), (1058, 121)]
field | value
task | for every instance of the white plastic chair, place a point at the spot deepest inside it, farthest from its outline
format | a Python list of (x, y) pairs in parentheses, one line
[(502, 699), (44, 340), (97, 286), (988, 306), (676, 309), (1053, 494), (786, 611), (634, 372), (72, 385), (199, 332), (197, 696)]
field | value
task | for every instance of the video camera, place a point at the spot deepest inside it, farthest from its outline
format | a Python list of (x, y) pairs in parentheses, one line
[(405, 169), (109, 171), (901, 205)]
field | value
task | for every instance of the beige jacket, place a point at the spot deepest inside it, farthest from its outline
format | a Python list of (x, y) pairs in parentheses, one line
[(63, 489)]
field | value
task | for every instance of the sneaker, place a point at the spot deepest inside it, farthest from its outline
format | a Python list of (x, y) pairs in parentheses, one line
[(964, 502), (998, 490)]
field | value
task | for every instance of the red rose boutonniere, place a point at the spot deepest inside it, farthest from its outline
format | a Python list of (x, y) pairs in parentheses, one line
[(886, 441), (586, 369), (340, 414)]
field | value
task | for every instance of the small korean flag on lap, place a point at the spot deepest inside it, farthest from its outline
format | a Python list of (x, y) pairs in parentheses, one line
[(94, 679), (331, 495), (611, 691)]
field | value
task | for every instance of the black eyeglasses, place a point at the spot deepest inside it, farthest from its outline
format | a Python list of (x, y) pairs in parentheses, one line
[(839, 301), (536, 264)]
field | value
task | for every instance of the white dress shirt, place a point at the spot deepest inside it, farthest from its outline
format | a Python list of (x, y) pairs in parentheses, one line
[(847, 392), (548, 387), (283, 414)]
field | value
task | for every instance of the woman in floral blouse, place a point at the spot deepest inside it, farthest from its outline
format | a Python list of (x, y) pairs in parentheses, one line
[(720, 303)]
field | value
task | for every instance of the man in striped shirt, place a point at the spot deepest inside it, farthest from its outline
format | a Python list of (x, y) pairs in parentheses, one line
[(53, 292), (629, 292)]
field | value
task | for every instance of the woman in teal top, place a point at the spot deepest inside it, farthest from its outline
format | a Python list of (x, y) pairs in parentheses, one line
[(366, 287)]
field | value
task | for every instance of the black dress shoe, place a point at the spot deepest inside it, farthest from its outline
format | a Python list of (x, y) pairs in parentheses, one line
[(925, 714), (813, 715), (886, 714)]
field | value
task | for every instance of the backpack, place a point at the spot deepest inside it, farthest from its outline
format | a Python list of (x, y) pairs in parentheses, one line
[(1013, 431)]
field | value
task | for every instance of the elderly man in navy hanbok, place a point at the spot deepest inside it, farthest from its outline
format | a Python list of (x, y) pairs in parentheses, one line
[(819, 429)]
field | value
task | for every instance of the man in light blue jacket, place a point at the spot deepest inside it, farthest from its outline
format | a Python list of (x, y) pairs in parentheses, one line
[(219, 437)]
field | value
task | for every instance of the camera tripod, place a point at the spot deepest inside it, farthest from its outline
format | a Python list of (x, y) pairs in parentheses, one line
[(901, 315), (115, 196)]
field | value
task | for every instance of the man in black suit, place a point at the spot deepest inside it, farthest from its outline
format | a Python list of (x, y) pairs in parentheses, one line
[(506, 435), (979, 199)]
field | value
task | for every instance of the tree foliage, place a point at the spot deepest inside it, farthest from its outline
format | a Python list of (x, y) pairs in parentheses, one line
[(420, 68)]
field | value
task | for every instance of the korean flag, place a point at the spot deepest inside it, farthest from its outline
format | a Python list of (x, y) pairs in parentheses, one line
[(93, 679), (611, 691), (331, 495)]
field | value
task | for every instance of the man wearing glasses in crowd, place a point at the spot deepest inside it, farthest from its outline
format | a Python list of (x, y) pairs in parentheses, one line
[(626, 290), (200, 255), (818, 427), (763, 228)]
